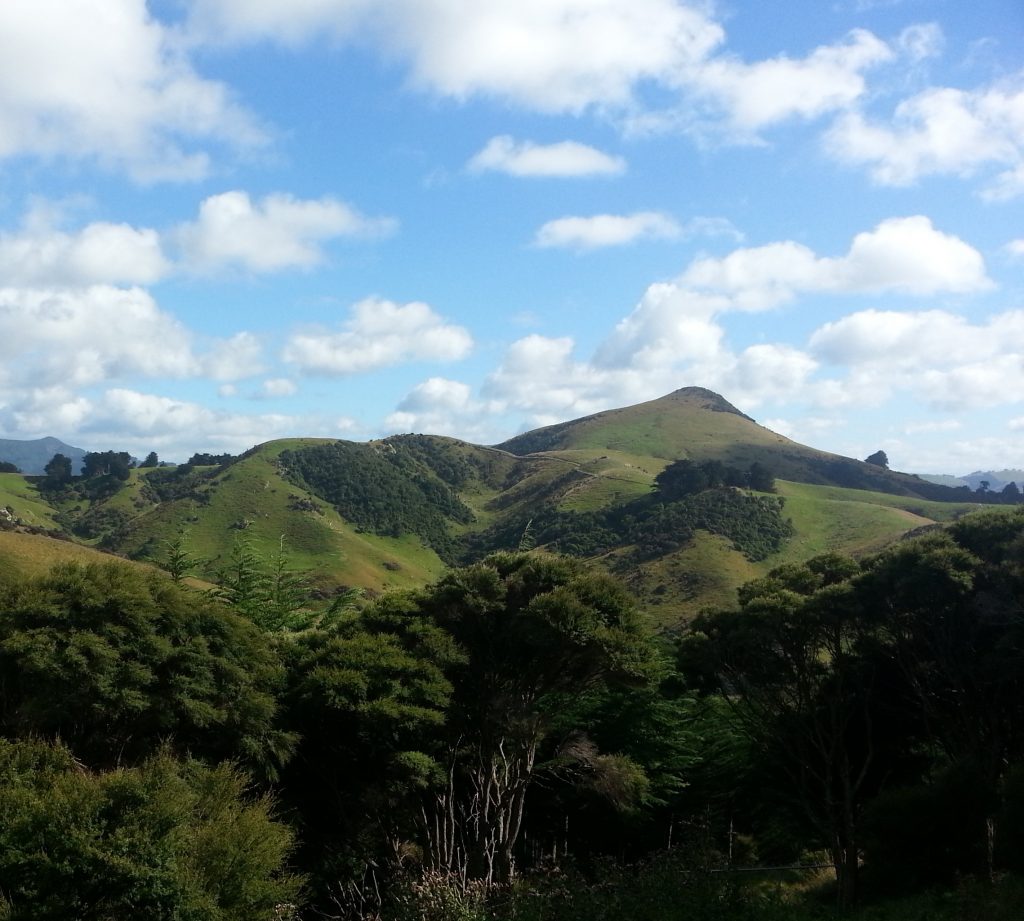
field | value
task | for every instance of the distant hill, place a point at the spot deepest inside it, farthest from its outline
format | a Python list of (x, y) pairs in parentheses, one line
[(996, 479), (31, 457), (393, 513)]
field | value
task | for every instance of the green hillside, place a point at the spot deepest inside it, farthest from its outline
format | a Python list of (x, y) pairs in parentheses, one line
[(393, 513)]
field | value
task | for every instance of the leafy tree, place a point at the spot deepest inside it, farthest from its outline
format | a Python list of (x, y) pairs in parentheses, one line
[(151, 460), (8, 467), (368, 698), (681, 478), (273, 596), (57, 470), (1011, 492), (177, 560), (535, 633), (115, 662), (878, 459), (760, 478), (797, 664), (166, 839), (117, 464)]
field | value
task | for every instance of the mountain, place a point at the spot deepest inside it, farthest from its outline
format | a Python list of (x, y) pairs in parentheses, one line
[(393, 513), (31, 457), (996, 479)]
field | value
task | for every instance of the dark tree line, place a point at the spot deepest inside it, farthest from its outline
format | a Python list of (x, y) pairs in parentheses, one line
[(166, 751)]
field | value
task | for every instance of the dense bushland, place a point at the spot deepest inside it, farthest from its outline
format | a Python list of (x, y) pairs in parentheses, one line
[(510, 742)]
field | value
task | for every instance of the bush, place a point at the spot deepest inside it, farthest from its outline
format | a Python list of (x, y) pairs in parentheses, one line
[(166, 840)]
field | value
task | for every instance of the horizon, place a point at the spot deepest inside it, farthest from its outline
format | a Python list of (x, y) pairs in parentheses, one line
[(226, 222)]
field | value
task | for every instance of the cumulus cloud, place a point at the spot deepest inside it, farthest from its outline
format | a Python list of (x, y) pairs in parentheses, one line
[(105, 82), (525, 159), (275, 233), (602, 230), (233, 359), (145, 421), (98, 253), (901, 255), (378, 334), (277, 387), (546, 55), (755, 96), (946, 360), (1015, 247), (55, 336), (443, 407), (941, 131)]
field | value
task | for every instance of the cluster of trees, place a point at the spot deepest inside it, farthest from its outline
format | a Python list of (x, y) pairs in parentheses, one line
[(885, 700), (686, 477), (193, 756), (689, 496), (392, 490)]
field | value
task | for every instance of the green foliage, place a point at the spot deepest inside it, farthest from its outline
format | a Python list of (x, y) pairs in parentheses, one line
[(117, 464), (114, 662), (388, 488), (164, 840), (269, 593), (754, 524), (8, 467)]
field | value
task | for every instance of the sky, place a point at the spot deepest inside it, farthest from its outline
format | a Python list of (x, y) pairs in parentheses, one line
[(228, 221)]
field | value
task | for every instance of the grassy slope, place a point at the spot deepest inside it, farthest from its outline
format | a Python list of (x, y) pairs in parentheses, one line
[(20, 495), (34, 554)]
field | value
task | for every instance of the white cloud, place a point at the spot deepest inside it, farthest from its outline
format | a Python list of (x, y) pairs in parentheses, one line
[(98, 253), (942, 131), (233, 359), (442, 407), (53, 336), (276, 233), (104, 82), (755, 96), (901, 254), (277, 387), (525, 159), (1015, 247), (937, 425), (545, 55), (379, 334), (922, 41), (603, 230), (177, 428), (944, 359)]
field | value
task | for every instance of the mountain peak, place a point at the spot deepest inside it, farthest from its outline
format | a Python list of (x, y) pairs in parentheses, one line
[(704, 399)]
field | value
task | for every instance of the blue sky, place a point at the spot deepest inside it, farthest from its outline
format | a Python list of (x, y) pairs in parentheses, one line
[(226, 221)]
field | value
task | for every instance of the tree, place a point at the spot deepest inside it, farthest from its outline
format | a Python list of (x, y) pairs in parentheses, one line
[(760, 478), (1011, 492), (151, 460), (178, 561), (116, 662), (796, 663), (878, 459), (535, 633), (8, 467), (681, 478), (166, 839), (58, 470), (107, 463)]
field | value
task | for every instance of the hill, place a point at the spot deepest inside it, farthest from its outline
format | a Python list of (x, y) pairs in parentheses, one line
[(393, 513), (30, 457)]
